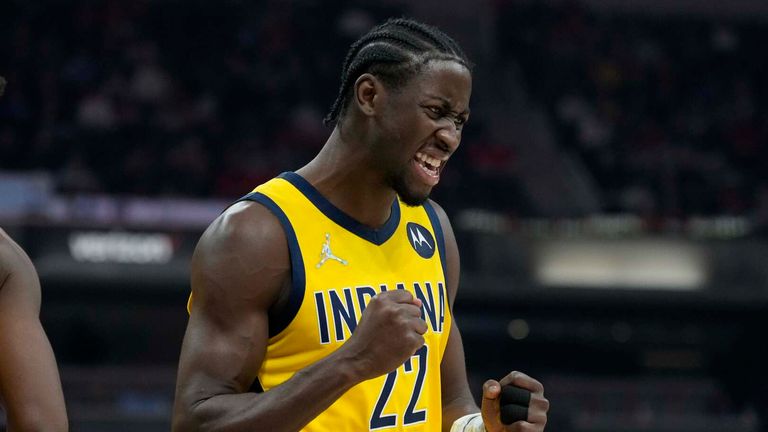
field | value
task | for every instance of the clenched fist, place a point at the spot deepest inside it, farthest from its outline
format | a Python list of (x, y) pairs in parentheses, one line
[(389, 332), (537, 408)]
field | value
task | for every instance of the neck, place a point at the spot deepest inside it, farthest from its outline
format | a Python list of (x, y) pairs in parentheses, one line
[(345, 173)]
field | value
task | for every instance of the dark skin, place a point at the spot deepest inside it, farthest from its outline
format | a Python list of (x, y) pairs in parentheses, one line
[(241, 271), (30, 387)]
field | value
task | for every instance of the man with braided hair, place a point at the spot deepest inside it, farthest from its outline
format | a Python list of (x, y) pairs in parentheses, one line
[(322, 300)]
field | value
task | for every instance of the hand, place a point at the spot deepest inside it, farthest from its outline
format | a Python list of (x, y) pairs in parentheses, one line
[(389, 332), (537, 410)]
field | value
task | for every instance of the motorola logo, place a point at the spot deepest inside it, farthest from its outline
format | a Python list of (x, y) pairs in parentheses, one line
[(421, 239)]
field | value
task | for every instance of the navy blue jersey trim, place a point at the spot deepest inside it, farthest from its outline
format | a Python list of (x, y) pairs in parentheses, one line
[(280, 321), (377, 236), (256, 386), (438, 235)]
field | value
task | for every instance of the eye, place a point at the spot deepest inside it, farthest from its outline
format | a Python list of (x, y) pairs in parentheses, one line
[(460, 121), (436, 111)]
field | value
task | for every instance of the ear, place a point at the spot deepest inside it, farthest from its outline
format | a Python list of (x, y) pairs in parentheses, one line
[(368, 94)]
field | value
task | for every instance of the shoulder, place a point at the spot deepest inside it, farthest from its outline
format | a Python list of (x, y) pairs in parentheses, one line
[(445, 225), (246, 226), (13, 259), (245, 248), (6, 256), (441, 215), (18, 278), (451, 250)]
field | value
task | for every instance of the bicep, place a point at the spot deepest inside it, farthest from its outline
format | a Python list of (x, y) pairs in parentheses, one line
[(237, 272), (220, 359)]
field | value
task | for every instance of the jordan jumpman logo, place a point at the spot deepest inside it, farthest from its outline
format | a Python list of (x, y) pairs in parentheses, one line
[(326, 253)]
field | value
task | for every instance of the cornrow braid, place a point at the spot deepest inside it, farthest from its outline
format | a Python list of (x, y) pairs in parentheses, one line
[(427, 32), (394, 52)]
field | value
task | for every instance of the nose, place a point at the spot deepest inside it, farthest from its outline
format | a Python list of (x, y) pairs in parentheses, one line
[(449, 136)]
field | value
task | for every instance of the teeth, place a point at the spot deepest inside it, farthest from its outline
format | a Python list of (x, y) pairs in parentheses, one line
[(430, 171), (428, 159)]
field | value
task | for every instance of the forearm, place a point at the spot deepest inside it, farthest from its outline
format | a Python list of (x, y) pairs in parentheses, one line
[(287, 407), (457, 398), (457, 408)]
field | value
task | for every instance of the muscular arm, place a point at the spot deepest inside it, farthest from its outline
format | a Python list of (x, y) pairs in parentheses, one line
[(457, 399), (30, 387), (239, 269)]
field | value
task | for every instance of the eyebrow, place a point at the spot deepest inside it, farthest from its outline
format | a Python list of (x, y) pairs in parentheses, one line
[(447, 103)]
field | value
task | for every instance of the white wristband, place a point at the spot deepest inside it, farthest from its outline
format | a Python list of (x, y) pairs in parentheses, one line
[(469, 423)]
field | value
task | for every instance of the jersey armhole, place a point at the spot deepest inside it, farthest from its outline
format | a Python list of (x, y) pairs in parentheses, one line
[(438, 229), (279, 321)]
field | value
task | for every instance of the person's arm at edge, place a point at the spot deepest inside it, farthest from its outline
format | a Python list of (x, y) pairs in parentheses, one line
[(457, 399), (239, 268), (30, 387)]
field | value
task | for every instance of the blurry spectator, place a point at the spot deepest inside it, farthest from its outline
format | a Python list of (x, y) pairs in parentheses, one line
[(667, 115), (663, 111)]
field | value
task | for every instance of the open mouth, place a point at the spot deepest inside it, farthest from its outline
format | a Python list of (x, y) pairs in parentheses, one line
[(428, 165)]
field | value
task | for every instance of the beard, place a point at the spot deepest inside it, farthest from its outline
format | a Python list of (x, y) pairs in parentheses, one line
[(408, 195)]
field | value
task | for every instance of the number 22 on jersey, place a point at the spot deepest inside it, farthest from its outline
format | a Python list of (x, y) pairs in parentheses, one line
[(380, 420)]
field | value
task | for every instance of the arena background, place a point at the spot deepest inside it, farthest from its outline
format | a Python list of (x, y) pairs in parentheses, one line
[(610, 196)]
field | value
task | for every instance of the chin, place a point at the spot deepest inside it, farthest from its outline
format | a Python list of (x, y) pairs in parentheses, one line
[(408, 195), (413, 200)]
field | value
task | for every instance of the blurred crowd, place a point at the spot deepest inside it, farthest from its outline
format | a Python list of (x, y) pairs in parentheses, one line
[(208, 99), (668, 114), (168, 98)]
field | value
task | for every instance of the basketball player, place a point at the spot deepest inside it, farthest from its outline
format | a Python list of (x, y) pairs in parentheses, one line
[(30, 389), (322, 301)]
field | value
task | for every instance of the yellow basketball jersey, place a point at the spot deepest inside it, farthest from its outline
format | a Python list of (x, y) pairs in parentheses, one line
[(338, 265)]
